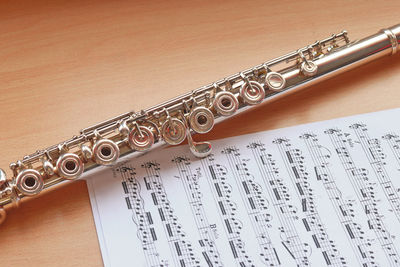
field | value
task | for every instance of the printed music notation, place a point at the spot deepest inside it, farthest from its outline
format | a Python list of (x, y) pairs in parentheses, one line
[(394, 143), (194, 197), (364, 189), (285, 210), (323, 194), (143, 219), (343, 207), (217, 176), (294, 161), (376, 155), (256, 205), (180, 246)]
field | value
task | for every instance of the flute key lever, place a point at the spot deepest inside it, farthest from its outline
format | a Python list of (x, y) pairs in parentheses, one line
[(194, 112)]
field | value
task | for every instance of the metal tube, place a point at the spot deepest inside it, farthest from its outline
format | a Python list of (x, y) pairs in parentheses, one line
[(344, 59), (303, 67)]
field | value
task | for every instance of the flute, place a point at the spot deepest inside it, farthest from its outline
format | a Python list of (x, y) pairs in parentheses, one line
[(197, 111)]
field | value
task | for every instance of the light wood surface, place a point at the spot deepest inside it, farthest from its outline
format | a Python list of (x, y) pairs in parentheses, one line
[(65, 65)]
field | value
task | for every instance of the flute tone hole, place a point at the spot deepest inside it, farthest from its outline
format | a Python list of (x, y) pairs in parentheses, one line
[(106, 151), (202, 120), (70, 165), (226, 102), (30, 181)]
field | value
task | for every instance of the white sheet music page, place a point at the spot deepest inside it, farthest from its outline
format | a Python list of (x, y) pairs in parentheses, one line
[(319, 194)]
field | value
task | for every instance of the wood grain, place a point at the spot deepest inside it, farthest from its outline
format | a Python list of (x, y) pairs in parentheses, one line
[(67, 64)]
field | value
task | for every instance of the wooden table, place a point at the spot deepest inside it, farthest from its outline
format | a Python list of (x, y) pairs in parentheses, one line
[(67, 64)]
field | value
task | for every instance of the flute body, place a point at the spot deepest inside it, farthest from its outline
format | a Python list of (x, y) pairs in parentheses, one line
[(194, 112)]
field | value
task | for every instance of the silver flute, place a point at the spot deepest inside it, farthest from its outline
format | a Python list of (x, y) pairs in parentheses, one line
[(194, 112)]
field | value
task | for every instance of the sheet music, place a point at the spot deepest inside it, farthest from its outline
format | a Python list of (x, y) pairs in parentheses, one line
[(319, 194)]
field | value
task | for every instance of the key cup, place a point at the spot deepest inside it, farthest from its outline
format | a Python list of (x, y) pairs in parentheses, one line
[(201, 120), (29, 182), (225, 103), (173, 131), (69, 166), (105, 152), (140, 138)]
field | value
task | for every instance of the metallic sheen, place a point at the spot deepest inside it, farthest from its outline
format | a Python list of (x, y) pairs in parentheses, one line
[(173, 131), (225, 103), (201, 120), (105, 152), (3, 177), (252, 93), (69, 166), (29, 182), (141, 138), (193, 112)]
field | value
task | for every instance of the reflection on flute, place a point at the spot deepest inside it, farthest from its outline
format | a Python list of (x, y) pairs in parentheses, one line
[(194, 112)]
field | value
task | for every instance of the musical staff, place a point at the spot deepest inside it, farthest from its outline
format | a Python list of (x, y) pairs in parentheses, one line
[(194, 196), (394, 143), (365, 192), (294, 162), (255, 203), (143, 219), (180, 247), (302, 196), (281, 201), (344, 209), (217, 178), (376, 158)]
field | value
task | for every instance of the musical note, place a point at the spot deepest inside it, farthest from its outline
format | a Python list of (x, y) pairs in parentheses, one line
[(376, 157), (193, 194), (394, 143), (343, 208), (142, 218), (322, 198), (216, 176), (281, 201), (365, 194), (180, 247), (294, 162), (255, 203)]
